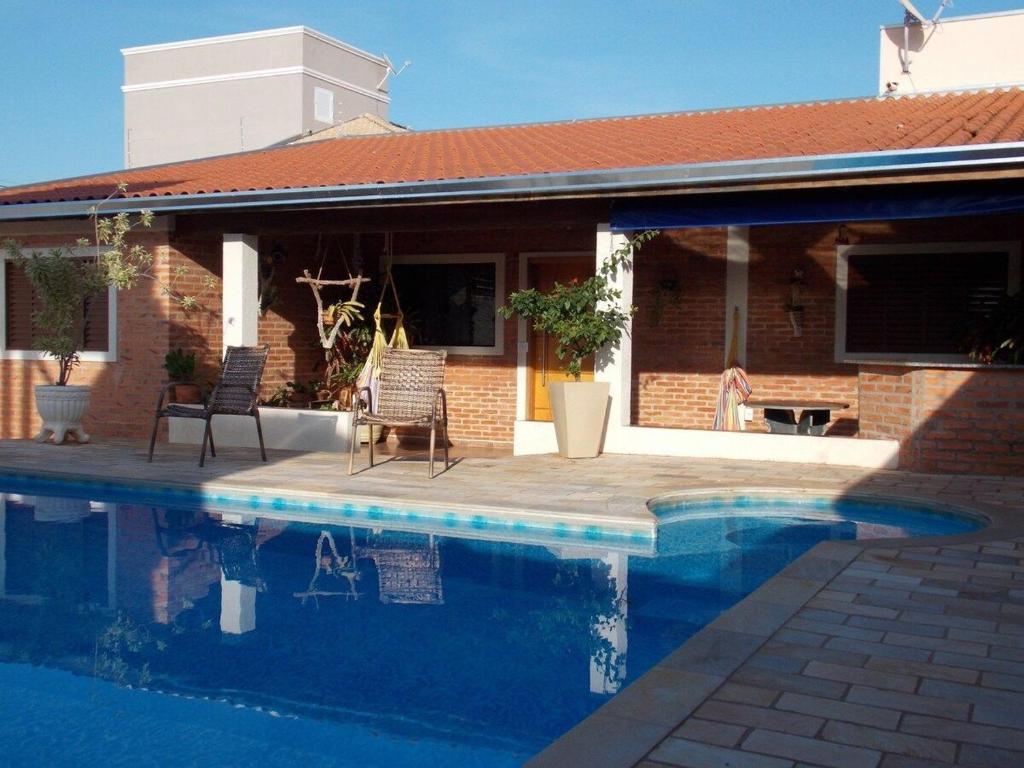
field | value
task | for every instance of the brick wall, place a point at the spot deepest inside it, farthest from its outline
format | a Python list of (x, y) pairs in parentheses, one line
[(123, 393), (947, 420), (679, 328)]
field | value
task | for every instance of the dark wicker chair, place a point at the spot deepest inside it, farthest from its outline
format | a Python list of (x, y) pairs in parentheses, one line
[(235, 393), (411, 394)]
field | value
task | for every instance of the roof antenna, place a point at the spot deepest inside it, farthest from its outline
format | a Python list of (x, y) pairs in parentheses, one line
[(912, 16), (390, 70)]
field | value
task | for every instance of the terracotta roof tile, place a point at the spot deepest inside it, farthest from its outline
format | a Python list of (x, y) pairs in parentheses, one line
[(836, 127)]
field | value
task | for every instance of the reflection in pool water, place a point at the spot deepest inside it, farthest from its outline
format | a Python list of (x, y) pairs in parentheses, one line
[(283, 641)]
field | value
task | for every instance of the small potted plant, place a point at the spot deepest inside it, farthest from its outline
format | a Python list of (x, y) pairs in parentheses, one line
[(998, 337), (181, 368), (582, 317)]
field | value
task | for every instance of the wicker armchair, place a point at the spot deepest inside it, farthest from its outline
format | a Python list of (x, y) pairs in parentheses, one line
[(410, 395), (235, 393)]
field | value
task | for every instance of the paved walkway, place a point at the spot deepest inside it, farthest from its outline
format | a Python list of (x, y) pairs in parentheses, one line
[(896, 655)]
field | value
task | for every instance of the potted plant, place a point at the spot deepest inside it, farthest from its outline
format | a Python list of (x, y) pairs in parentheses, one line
[(582, 317), (65, 287), (181, 367), (998, 337)]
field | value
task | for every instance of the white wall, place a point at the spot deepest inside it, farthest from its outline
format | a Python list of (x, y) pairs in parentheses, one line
[(956, 53)]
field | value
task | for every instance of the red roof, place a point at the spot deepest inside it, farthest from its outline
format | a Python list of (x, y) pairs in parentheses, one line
[(835, 127)]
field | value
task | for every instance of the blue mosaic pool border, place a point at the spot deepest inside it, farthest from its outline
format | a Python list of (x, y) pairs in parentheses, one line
[(687, 504), (457, 521)]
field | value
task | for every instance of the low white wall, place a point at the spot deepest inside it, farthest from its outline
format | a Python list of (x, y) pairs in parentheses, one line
[(290, 429), (533, 437)]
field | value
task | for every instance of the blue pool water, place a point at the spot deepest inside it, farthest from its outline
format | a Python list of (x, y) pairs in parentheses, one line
[(137, 634)]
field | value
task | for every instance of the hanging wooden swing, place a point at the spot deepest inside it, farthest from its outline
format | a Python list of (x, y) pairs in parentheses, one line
[(340, 313)]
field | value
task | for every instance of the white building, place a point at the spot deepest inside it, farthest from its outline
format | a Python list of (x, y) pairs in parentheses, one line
[(217, 95)]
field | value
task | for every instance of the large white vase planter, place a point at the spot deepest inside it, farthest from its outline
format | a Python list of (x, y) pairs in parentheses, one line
[(62, 410), (579, 410)]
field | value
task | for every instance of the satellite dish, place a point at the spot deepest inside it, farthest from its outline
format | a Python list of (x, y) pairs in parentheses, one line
[(913, 17), (390, 70), (913, 14)]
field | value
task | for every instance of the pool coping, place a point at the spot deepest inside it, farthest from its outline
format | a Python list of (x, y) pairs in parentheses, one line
[(635, 535), (637, 719)]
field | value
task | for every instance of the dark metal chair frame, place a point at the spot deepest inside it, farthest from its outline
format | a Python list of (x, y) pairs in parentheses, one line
[(411, 394), (236, 393)]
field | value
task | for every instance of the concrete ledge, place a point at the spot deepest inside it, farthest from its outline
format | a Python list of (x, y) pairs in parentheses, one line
[(534, 437), (289, 429)]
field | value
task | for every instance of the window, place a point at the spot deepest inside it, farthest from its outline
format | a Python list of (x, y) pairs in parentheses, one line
[(450, 302), (20, 302), (913, 303), (323, 105)]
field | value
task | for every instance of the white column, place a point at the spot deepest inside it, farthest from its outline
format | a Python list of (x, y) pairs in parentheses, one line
[(737, 265), (615, 364), (237, 600), (241, 279), (608, 672), (237, 607)]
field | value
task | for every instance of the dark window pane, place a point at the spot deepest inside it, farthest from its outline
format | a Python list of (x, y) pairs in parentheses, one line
[(21, 302), (448, 305), (919, 303)]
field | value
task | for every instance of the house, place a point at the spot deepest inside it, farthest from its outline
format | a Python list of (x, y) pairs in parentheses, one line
[(843, 244)]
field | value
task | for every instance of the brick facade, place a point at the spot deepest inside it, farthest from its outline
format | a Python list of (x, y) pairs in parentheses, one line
[(945, 419)]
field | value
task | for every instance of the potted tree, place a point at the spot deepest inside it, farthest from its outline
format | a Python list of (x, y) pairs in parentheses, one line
[(582, 317), (65, 286), (66, 283)]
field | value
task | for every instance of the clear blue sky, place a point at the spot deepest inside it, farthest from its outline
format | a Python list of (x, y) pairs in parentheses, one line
[(475, 62)]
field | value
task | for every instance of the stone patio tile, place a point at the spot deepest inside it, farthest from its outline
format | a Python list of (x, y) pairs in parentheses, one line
[(839, 710), (910, 702), (925, 669), (663, 696), (990, 705), (812, 751), (707, 732), (793, 636), (988, 638), (947, 620), (904, 761), (785, 682), (760, 717), (1005, 682), (754, 617), (934, 644), (853, 609), (890, 741), (692, 754), (714, 652), (835, 630), (890, 625), (989, 757), (601, 741), (877, 649), (815, 654), (860, 676), (1004, 738), (976, 662), (822, 616), (778, 663), (746, 694)]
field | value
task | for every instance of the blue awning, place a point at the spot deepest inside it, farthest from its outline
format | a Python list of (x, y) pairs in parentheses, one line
[(910, 201)]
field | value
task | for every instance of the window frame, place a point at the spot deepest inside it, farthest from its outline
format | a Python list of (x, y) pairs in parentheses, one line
[(109, 356), (498, 259), (843, 254)]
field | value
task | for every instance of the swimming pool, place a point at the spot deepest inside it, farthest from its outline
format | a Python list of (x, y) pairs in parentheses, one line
[(134, 633)]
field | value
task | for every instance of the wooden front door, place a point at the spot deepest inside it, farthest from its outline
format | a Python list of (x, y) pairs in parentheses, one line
[(545, 367)]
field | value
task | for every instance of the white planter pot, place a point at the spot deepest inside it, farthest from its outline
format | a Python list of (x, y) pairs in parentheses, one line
[(366, 430), (62, 410), (579, 410)]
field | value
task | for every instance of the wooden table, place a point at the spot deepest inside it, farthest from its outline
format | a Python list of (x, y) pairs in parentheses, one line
[(781, 415)]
